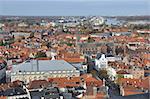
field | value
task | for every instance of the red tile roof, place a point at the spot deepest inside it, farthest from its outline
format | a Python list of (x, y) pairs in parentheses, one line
[(122, 72), (2, 61), (38, 84), (3, 97), (6, 86), (76, 81), (100, 95), (132, 91), (141, 83), (72, 60)]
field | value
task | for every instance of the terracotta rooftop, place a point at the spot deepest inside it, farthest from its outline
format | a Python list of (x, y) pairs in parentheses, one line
[(132, 91), (2, 61), (6, 86), (38, 84), (136, 83), (72, 60), (122, 72), (76, 81), (3, 97), (101, 95)]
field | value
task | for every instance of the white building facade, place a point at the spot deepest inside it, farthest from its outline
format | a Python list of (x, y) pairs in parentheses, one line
[(102, 63)]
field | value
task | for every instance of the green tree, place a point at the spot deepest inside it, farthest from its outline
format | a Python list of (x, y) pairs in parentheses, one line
[(103, 74), (1, 43), (90, 40), (48, 44), (119, 76), (69, 44), (40, 55), (31, 35)]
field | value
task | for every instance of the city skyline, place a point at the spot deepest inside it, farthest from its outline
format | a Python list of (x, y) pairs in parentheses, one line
[(74, 49)]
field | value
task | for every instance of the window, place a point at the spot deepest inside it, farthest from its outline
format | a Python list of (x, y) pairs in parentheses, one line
[(28, 72), (77, 82), (134, 81), (34, 77), (45, 77), (50, 72), (55, 72), (37, 72), (32, 72), (64, 75), (54, 76), (39, 77)]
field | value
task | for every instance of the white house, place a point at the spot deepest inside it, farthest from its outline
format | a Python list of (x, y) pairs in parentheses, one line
[(101, 63)]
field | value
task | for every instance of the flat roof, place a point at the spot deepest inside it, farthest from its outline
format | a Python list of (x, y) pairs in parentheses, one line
[(44, 65)]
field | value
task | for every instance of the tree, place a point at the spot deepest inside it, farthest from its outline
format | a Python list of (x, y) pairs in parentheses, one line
[(40, 55), (1, 43), (90, 40), (48, 44), (31, 35), (120, 76), (103, 74), (69, 44), (93, 72)]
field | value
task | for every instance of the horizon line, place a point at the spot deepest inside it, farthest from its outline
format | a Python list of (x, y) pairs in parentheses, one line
[(70, 15)]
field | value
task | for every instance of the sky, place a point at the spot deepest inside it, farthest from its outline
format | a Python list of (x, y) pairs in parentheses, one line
[(74, 7)]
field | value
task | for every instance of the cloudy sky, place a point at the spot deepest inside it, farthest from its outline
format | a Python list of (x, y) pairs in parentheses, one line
[(74, 7)]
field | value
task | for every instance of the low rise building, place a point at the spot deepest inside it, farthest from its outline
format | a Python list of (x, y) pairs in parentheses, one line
[(43, 69), (124, 74), (14, 90), (102, 64), (94, 48), (133, 86), (137, 73)]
